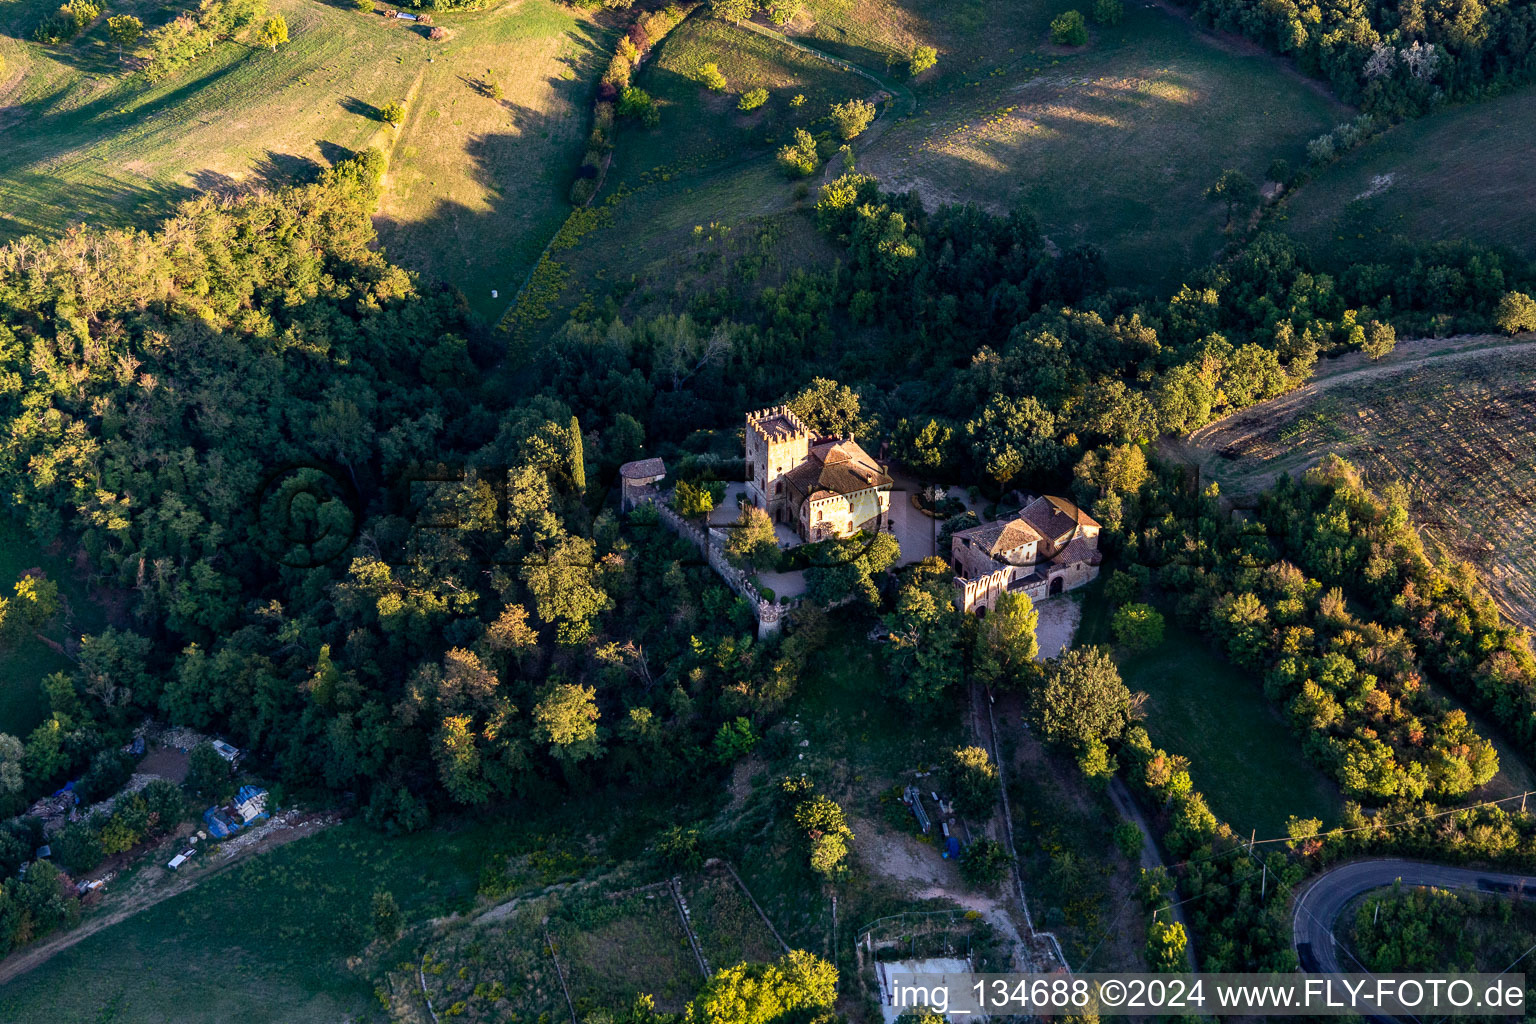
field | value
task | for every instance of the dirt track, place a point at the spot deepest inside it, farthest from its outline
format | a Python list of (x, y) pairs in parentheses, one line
[(1200, 447), (153, 884)]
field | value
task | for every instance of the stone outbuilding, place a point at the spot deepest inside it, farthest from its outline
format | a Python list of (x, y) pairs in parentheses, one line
[(1050, 546), (638, 480)]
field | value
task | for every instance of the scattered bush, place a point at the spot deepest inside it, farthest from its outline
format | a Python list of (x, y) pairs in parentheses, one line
[(1069, 29), (752, 99), (1516, 313), (851, 118), (1138, 627), (799, 159), (710, 77), (1108, 12), (637, 103), (67, 22), (782, 12), (984, 863)]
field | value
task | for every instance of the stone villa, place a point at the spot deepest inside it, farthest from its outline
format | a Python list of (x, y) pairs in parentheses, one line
[(823, 487), (1049, 547)]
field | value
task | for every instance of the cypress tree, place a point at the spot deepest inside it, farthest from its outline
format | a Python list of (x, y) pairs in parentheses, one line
[(578, 459)]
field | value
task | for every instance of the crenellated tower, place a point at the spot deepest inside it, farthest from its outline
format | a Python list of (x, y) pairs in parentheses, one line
[(776, 442)]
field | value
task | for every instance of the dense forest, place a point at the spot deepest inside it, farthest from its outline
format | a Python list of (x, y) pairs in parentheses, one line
[(1393, 58)]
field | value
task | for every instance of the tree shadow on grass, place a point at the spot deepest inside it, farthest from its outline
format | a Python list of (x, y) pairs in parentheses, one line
[(41, 204), (362, 108)]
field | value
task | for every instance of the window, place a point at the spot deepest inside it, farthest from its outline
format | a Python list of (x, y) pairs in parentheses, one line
[(778, 488)]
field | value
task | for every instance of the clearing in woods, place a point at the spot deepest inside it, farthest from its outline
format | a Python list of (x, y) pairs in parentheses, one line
[(1461, 173), (26, 660), (1243, 755), (477, 184), (1452, 419)]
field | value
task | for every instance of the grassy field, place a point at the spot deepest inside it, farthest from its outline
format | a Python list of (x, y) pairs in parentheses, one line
[(1462, 173), (683, 201), (1457, 432), (1114, 144), (265, 941), (1242, 755), (278, 938), (612, 948), (728, 928), (477, 184)]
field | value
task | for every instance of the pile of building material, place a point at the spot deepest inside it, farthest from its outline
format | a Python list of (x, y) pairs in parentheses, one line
[(248, 807)]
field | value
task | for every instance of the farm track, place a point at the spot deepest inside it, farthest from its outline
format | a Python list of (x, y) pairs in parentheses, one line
[(139, 897), (1352, 370), (1448, 417)]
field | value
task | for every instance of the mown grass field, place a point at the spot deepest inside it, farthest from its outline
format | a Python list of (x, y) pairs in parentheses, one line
[(1242, 754), (284, 937), (1114, 144), (477, 184), (1462, 173)]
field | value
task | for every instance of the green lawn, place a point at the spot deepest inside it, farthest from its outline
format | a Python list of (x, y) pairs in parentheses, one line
[(683, 199), (476, 186), (1462, 173), (1242, 755), (274, 938)]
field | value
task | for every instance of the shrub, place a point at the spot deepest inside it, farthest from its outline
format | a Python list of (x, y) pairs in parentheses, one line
[(437, 33), (923, 58), (852, 118), (363, 5), (1138, 627), (78, 847), (1516, 312), (973, 779), (782, 12), (799, 159), (109, 770), (711, 77), (393, 113), (67, 22), (1108, 12), (207, 773), (798, 100), (1069, 29), (1129, 838), (984, 863), (752, 99), (637, 103)]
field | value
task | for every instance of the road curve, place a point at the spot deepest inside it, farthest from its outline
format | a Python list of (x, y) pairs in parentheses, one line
[(1319, 905)]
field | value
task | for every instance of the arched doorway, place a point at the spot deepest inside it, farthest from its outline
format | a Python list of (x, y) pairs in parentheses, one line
[(1056, 585)]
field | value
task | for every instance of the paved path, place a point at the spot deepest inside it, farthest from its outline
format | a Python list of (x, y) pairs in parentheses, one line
[(1319, 905)]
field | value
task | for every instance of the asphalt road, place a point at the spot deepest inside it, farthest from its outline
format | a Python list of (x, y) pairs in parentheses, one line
[(1319, 905)]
